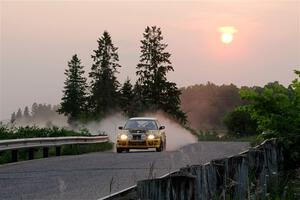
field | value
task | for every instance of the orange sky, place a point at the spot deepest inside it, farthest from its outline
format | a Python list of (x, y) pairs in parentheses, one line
[(37, 40)]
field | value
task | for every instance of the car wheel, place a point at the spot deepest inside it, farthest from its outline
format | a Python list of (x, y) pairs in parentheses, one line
[(119, 150), (127, 150), (160, 148)]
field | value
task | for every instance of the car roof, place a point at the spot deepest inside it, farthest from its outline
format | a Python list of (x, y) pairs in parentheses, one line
[(143, 118)]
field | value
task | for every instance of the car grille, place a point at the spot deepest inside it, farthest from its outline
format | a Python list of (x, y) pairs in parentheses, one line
[(137, 131), (136, 143), (136, 137)]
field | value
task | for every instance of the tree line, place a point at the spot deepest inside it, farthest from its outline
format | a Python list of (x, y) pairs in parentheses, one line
[(208, 104), (83, 100), (38, 111)]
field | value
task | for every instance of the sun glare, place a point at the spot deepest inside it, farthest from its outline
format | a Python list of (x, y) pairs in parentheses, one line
[(226, 38), (227, 34)]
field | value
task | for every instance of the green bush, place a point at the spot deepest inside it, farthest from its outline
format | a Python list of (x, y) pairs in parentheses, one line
[(33, 132)]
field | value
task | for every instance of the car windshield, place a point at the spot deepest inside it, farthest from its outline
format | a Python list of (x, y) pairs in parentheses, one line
[(141, 124)]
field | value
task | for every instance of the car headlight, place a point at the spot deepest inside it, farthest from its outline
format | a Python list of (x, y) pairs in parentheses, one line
[(123, 137), (151, 137)]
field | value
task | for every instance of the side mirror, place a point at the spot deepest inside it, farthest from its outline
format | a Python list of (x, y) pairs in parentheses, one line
[(120, 127), (162, 127)]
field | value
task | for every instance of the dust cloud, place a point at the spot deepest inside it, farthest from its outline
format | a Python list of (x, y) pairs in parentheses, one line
[(177, 136), (109, 125)]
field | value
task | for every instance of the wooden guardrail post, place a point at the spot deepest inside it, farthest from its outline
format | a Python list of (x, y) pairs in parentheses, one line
[(58, 150), (45, 152), (170, 187), (14, 155)]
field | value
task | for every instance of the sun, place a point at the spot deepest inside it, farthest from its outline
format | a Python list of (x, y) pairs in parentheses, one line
[(227, 34), (226, 38)]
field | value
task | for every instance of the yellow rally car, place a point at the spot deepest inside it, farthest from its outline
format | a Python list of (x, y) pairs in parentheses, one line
[(141, 133)]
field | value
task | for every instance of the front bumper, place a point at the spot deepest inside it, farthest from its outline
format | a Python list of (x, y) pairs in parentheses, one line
[(138, 144)]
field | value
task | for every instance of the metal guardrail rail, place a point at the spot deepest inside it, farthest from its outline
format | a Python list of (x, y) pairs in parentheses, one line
[(16, 144)]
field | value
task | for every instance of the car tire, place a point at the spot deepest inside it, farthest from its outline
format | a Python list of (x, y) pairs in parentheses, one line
[(160, 148), (119, 150)]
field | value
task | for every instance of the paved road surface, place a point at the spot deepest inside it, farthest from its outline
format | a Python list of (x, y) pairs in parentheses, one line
[(89, 176)]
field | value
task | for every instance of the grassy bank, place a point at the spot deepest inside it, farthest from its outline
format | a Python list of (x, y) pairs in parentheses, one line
[(74, 149)]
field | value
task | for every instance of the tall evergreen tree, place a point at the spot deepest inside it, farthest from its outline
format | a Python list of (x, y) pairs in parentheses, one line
[(19, 114), (154, 65), (104, 84), (126, 99), (26, 112), (34, 109), (13, 117), (74, 99)]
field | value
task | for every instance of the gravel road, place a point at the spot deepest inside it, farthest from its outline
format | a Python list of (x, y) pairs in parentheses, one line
[(95, 175)]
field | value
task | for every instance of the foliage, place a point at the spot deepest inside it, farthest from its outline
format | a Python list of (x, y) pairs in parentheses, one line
[(74, 99), (240, 123), (273, 108), (104, 83), (157, 93), (13, 117), (19, 114), (277, 112), (126, 98), (32, 132), (26, 112)]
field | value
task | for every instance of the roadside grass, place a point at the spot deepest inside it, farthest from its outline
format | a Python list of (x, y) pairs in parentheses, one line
[(287, 187), (73, 149)]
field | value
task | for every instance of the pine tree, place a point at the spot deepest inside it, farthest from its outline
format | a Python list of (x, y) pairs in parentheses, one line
[(104, 84), (126, 98), (19, 114), (74, 99), (34, 109), (157, 92), (139, 102), (13, 117), (26, 113)]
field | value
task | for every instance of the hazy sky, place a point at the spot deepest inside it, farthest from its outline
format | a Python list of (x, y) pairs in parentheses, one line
[(38, 39)]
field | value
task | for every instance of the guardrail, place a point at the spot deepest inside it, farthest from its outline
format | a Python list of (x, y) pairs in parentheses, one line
[(30, 143), (128, 193)]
